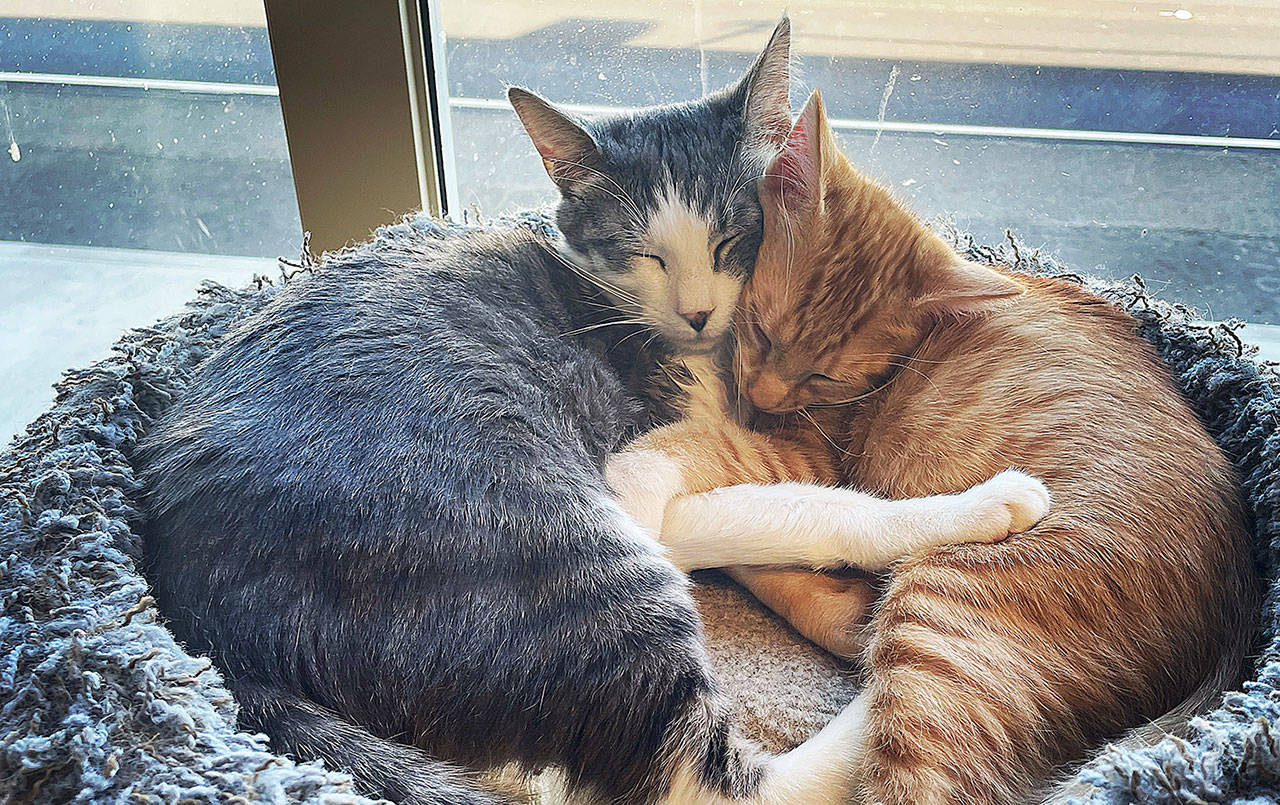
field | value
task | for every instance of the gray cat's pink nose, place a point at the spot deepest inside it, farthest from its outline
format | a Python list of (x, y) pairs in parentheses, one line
[(697, 320)]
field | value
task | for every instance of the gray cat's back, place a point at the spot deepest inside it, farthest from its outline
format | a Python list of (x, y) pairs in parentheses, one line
[(384, 490), (385, 365)]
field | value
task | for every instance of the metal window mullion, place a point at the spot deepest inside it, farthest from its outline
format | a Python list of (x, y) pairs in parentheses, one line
[(424, 63), (437, 92)]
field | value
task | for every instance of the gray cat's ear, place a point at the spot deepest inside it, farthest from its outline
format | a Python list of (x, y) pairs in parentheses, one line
[(569, 153), (793, 183), (965, 288), (767, 90)]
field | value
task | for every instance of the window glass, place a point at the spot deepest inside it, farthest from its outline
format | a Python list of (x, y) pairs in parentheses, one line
[(141, 151), (1122, 137), (142, 124)]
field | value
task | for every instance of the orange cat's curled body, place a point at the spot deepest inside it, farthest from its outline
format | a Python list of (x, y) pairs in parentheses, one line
[(990, 665)]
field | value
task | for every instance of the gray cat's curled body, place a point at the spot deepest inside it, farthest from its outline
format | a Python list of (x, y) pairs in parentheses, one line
[(380, 505)]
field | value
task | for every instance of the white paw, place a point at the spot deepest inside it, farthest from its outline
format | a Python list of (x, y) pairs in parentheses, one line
[(1009, 503), (643, 481)]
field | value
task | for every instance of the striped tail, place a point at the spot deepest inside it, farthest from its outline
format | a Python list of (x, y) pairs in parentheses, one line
[(381, 768)]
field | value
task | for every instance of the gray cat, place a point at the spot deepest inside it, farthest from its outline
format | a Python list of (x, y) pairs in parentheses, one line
[(380, 505)]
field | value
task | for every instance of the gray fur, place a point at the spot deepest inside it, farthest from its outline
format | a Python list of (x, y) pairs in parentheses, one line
[(101, 704), (380, 506), (681, 147), (612, 171)]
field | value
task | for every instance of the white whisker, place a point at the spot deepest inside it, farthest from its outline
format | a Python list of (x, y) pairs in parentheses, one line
[(813, 421), (603, 324), (622, 196), (595, 280)]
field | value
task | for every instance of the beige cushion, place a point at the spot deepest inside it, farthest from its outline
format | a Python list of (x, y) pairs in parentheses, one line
[(786, 688)]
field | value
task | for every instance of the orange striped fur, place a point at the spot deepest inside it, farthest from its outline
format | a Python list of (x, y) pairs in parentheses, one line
[(991, 664)]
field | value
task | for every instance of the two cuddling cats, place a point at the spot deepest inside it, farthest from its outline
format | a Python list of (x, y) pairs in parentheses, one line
[(382, 505)]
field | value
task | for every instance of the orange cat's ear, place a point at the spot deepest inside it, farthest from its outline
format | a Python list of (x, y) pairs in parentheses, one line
[(766, 91), (793, 181), (569, 154), (965, 288)]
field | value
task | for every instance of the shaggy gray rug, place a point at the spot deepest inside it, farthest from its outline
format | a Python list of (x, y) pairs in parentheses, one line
[(98, 703)]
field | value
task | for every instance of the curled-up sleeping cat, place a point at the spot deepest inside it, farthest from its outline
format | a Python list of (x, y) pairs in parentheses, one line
[(989, 665), (380, 504)]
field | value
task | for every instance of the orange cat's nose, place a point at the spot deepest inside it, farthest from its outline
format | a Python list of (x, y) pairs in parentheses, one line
[(767, 392)]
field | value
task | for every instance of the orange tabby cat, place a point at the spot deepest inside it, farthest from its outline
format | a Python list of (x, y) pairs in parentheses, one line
[(988, 664)]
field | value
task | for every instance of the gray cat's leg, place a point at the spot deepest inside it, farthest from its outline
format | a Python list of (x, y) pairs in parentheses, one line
[(305, 731)]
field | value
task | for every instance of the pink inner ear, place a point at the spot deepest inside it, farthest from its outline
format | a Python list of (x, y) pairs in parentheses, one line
[(552, 146), (792, 167)]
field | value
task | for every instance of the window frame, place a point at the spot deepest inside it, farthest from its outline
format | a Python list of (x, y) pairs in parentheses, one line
[(361, 92)]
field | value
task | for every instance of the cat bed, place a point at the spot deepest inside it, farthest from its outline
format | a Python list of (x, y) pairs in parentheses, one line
[(98, 702)]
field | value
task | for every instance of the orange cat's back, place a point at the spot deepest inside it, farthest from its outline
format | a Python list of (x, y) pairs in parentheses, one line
[(1057, 382), (1108, 613)]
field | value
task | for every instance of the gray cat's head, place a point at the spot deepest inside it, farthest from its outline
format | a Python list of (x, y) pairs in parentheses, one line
[(660, 206)]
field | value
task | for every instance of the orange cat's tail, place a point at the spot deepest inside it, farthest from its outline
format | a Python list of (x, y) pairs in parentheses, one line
[(1175, 723)]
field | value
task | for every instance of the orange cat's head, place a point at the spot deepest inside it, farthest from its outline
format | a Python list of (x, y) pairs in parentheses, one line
[(847, 282)]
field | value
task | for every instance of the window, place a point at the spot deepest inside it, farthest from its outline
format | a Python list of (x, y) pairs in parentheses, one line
[(139, 124), (144, 143), (1134, 137), (142, 150)]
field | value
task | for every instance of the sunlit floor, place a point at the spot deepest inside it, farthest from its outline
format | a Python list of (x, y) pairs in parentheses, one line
[(64, 306)]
